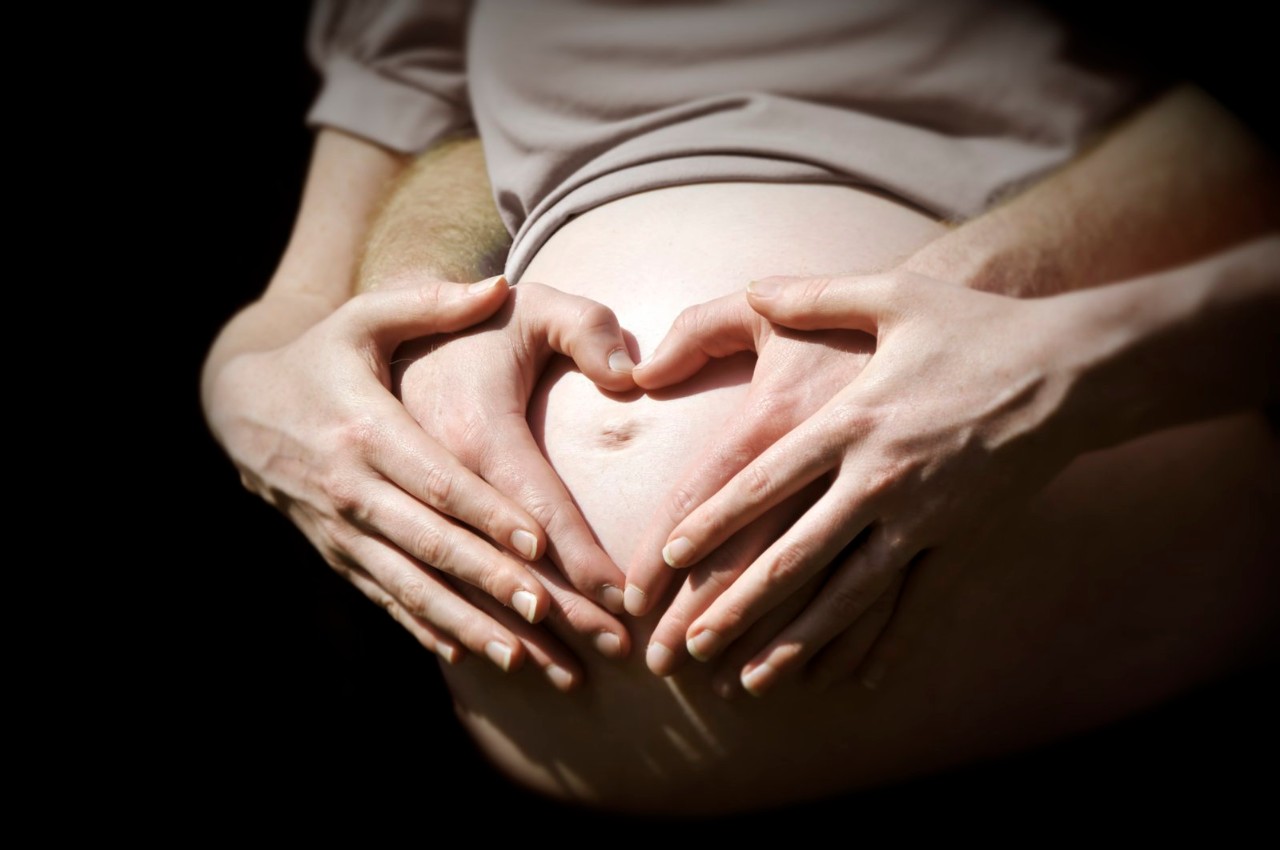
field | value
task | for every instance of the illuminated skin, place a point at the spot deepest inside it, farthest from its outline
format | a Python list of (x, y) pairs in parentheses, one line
[(1046, 633), (1064, 618)]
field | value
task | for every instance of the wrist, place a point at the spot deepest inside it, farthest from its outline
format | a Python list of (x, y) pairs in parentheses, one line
[(991, 255)]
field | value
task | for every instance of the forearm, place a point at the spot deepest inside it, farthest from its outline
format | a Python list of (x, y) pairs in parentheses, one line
[(1180, 180), (345, 183), (1175, 347), (439, 221)]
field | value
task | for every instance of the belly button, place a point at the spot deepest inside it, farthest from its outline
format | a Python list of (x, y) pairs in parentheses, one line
[(618, 433)]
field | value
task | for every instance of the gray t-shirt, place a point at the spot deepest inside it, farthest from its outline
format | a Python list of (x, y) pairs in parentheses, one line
[(943, 105)]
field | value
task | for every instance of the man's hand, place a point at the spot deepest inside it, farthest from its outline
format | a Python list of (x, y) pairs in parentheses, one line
[(949, 421), (794, 376)]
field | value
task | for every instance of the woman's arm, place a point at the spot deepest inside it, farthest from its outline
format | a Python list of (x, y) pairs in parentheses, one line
[(296, 388)]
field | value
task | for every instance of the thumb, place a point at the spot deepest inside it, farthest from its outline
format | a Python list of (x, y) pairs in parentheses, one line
[(392, 316), (854, 302), (719, 328), (581, 329)]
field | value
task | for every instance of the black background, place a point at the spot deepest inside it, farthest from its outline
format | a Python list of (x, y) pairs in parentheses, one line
[(288, 679)]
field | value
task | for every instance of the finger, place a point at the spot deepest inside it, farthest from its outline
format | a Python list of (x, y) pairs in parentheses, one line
[(874, 566), (447, 546), (704, 583), (714, 329), (543, 650), (838, 660), (426, 596), (392, 316), (411, 459), (726, 681), (808, 547), (508, 457), (809, 303), (648, 574), (572, 614), (775, 404), (786, 467), (434, 639), (586, 331)]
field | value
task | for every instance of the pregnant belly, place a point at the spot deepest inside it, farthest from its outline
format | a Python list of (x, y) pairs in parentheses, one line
[(629, 738)]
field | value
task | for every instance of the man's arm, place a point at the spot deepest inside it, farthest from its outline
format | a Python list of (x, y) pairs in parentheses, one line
[(415, 235), (1181, 179)]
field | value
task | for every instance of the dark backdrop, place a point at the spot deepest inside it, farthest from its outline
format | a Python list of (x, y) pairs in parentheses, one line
[(295, 681)]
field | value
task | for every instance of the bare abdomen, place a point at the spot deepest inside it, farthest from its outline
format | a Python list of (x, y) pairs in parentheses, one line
[(990, 675)]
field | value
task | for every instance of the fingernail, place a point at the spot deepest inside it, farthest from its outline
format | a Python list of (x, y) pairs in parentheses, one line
[(759, 679), (482, 286), (448, 653), (766, 288), (703, 645), (499, 653), (659, 659), (525, 543), (560, 677), (677, 552), (620, 361), (634, 600), (608, 645), (526, 603), (613, 599)]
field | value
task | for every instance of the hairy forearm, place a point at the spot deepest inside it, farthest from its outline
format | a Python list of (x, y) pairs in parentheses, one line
[(438, 221), (345, 184), (1181, 179)]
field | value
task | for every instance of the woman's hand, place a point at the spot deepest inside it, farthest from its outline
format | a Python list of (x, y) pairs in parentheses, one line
[(955, 415), (794, 375), (315, 430)]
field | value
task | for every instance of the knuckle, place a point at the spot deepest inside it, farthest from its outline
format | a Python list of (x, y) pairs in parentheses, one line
[(361, 434), (437, 485), (788, 562), (415, 596), (815, 289), (690, 321), (683, 501), (758, 482), (430, 546), (849, 417), (592, 316), (345, 494)]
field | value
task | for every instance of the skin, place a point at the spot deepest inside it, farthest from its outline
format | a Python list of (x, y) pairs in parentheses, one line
[(924, 447), (1170, 189), (974, 693), (297, 389)]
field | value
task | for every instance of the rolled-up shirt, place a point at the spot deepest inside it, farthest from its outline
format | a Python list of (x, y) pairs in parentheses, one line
[(947, 106)]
